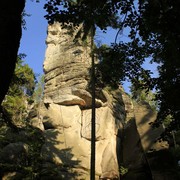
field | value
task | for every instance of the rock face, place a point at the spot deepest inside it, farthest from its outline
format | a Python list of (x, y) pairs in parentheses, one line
[(67, 113), (66, 68), (123, 133), (139, 140), (122, 129)]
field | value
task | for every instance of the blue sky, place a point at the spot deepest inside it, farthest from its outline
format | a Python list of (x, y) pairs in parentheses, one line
[(33, 39)]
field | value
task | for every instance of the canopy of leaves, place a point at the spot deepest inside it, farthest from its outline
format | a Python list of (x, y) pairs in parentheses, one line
[(159, 28), (91, 14), (107, 73), (155, 33)]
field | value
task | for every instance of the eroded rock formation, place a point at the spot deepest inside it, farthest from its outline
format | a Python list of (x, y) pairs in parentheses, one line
[(67, 111), (122, 129), (139, 140), (59, 146)]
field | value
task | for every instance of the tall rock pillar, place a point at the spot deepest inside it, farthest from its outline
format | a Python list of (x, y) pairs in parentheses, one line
[(67, 111)]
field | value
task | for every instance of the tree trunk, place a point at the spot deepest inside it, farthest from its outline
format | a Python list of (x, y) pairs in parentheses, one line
[(93, 117), (10, 35)]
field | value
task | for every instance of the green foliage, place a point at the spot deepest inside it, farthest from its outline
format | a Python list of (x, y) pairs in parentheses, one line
[(23, 21), (38, 91), (120, 62), (110, 67), (123, 170), (158, 29), (140, 94), (88, 13), (20, 90), (153, 32), (29, 166), (167, 121), (24, 77)]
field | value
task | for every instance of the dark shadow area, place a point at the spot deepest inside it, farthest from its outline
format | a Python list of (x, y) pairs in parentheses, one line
[(132, 161), (144, 116), (20, 152), (58, 162), (31, 153), (139, 155), (10, 34), (132, 154), (163, 165)]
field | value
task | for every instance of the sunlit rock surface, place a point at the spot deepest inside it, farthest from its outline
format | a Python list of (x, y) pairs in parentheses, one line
[(67, 110)]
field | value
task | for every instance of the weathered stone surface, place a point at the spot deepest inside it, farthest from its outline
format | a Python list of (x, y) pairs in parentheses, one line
[(67, 116), (57, 116), (109, 161), (74, 137), (37, 123), (144, 116), (66, 63), (105, 127), (12, 176), (139, 138)]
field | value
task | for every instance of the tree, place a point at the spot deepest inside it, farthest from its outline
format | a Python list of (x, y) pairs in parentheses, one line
[(164, 27), (10, 34), (146, 95), (38, 91), (107, 72), (19, 93), (154, 34), (155, 31)]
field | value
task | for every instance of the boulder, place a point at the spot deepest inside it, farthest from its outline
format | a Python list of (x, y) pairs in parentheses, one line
[(12, 176), (37, 123)]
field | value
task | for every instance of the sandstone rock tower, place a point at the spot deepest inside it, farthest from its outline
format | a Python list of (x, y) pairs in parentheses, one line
[(67, 116)]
